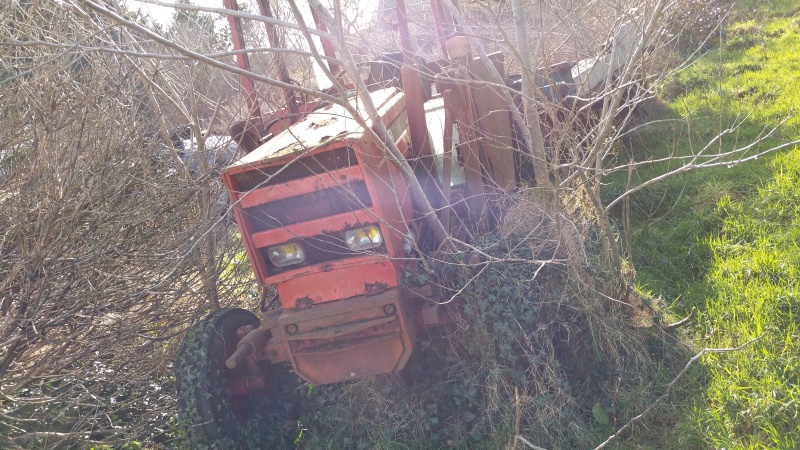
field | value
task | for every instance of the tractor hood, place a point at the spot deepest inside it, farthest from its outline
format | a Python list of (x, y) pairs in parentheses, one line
[(328, 123)]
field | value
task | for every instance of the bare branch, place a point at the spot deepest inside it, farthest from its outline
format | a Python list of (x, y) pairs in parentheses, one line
[(671, 384)]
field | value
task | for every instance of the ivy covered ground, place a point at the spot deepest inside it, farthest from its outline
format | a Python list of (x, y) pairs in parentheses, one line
[(541, 350)]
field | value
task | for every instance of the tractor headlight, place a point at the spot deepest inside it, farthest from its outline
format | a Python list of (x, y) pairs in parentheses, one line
[(286, 254), (364, 238)]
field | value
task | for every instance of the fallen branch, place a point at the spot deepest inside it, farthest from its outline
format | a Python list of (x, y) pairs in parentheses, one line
[(683, 321), (672, 383), (527, 443)]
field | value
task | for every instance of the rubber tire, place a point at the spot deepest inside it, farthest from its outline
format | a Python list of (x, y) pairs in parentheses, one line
[(209, 414), (204, 404)]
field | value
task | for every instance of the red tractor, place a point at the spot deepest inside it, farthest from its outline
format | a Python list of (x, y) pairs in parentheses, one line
[(328, 220)]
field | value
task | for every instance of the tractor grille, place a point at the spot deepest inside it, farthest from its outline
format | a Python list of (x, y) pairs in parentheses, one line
[(304, 167), (327, 246), (315, 205)]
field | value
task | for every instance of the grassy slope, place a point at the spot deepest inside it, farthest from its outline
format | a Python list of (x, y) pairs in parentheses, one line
[(726, 240)]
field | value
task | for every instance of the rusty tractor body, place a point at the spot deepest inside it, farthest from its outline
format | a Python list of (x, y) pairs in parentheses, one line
[(325, 218)]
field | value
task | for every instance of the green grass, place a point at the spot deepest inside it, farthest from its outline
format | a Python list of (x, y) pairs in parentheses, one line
[(770, 8), (754, 290), (726, 240), (755, 85)]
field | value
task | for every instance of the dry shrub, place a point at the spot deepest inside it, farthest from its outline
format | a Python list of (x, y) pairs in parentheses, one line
[(695, 24), (105, 243)]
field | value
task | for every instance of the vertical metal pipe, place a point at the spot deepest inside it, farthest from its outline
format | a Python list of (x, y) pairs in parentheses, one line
[(280, 63), (412, 86), (444, 24), (242, 60), (327, 46)]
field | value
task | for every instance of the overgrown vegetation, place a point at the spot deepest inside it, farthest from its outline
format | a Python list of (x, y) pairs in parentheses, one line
[(538, 347), (111, 247), (110, 243)]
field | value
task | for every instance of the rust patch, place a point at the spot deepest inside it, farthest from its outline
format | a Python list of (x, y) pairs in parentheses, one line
[(303, 303), (375, 288), (321, 123), (341, 342)]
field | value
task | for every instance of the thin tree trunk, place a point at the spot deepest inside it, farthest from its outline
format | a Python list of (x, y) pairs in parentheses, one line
[(531, 113), (378, 132)]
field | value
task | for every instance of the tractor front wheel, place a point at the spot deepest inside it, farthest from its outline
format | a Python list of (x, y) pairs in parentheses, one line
[(213, 413)]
